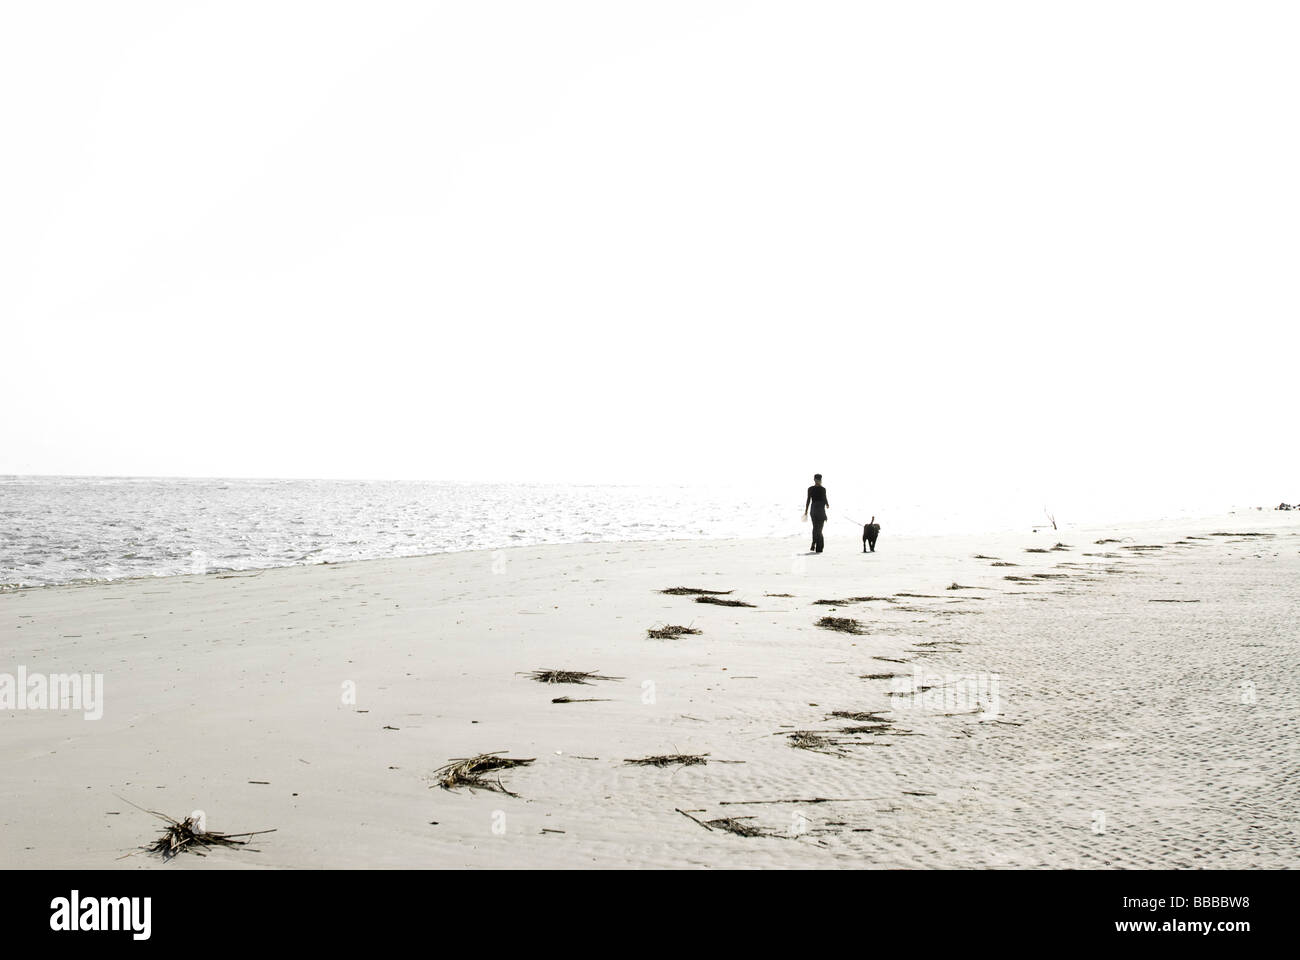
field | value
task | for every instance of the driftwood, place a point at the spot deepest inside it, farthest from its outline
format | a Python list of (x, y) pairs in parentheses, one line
[(842, 625), (472, 772), (730, 825), (186, 836), (671, 632), (718, 601), (672, 759), (566, 676)]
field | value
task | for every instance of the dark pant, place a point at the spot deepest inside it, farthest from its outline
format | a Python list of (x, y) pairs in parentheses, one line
[(818, 542)]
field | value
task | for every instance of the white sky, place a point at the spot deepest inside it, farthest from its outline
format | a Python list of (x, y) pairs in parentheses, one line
[(939, 245)]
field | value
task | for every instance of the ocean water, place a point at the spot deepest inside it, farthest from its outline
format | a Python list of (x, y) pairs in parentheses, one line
[(68, 529)]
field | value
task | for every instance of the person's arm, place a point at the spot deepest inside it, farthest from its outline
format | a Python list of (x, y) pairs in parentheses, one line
[(808, 503)]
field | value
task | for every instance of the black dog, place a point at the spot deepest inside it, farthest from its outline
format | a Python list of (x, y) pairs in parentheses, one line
[(869, 533)]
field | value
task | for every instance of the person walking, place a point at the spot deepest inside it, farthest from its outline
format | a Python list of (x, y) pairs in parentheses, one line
[(817, 502)]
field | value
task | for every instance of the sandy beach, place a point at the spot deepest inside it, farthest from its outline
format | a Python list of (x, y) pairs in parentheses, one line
[(1129, 704)]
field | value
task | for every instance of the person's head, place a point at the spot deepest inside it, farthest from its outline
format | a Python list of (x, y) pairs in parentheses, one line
[(817, 478)]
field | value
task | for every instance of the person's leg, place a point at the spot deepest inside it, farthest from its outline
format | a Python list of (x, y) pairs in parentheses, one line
[(817, 534), (821, 540)]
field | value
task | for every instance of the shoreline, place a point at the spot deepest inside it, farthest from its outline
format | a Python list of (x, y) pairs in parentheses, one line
[(1082, 527), (1118, 673)]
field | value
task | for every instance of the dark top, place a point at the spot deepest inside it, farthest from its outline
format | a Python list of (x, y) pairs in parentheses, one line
[(817, 500)]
